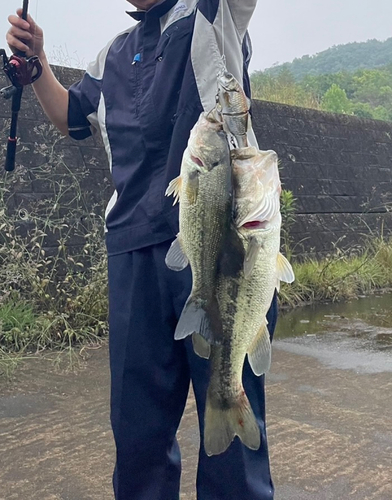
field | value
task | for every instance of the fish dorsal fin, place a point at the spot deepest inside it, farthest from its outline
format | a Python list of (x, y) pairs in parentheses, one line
[(174, 188), (284, 269), (201, 347), (259, 353), (252, 253), (176, 260)]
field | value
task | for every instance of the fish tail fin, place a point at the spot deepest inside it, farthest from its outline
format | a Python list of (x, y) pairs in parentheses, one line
[(194, 319), (222, 424)]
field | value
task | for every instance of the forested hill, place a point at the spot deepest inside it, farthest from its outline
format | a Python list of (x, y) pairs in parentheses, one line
[(350, 57)]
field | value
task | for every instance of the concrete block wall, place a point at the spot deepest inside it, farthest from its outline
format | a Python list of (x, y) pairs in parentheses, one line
[(339, 168)]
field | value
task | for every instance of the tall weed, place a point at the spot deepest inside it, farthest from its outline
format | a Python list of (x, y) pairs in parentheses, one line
[(52, 257)]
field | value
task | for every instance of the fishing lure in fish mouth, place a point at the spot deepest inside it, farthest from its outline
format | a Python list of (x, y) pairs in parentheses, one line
[(20, 71)]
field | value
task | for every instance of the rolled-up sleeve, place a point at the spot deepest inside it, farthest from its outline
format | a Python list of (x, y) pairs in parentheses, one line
[(83, 101)]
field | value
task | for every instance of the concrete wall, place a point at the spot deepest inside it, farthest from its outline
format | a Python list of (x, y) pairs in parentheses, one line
[(338, 167)]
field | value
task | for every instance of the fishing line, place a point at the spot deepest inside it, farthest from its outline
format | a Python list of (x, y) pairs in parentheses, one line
[(223, 35), (35, 25)]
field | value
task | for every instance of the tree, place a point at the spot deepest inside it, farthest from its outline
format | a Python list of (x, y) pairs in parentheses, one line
[(336, 100)]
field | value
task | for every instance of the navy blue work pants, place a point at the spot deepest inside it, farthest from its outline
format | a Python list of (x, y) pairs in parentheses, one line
[(151, 374)]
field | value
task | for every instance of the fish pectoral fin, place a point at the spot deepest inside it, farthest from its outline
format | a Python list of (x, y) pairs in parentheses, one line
[(201, 347), (259, 353), (252, 253), (284, 269), (222, 424), (176, 260), (192, 187), (174, 188)]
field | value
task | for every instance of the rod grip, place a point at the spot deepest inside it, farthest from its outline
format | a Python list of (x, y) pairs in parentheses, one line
[(10, 158)]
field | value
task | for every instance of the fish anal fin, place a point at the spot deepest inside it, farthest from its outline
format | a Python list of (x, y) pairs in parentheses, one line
[(201, 347), (259, 353), (200, 317), (176, 260), (284, 270), (174, 189)]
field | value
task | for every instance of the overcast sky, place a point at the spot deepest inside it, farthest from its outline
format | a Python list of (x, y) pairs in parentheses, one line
[(281, 30)]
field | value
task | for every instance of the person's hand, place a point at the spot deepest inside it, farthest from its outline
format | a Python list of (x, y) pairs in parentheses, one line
[(25, 36)]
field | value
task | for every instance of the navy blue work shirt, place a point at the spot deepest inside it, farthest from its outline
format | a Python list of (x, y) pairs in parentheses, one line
[(144, 93)]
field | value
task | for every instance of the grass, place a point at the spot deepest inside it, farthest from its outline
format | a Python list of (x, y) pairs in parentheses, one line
[(52, 293), (341, 276)]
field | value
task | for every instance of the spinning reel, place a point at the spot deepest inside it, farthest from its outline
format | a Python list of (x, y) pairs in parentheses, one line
[(20, 71)]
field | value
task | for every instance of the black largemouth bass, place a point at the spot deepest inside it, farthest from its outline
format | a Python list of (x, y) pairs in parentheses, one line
[(244, 299), (207, 239)]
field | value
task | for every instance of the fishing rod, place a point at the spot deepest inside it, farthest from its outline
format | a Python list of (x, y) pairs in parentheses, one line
[(21, 71)]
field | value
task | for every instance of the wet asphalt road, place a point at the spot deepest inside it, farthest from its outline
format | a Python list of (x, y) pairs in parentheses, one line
[(329, 399)]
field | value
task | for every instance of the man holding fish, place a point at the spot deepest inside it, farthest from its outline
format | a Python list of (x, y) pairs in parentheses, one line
[(144, 94)]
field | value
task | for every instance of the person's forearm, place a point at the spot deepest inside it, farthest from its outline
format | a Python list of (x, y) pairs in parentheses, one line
[(52, 96)]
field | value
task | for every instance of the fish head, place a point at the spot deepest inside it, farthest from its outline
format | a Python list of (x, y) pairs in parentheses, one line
[(208, 145), (231, 96), (227, 82), (257, 189)]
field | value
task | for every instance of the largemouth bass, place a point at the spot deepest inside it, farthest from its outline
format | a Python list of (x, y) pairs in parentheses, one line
[(244, 298), (234, 106), (207, 233)]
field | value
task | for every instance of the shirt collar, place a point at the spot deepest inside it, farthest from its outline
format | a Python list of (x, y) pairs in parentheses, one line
[(158, 10)]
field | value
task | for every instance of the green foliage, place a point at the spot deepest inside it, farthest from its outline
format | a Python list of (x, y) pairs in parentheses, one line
[(336, 100), (287, 209), (281, 88), (51, 296), (342, 275), (364, 93), (341, 58)]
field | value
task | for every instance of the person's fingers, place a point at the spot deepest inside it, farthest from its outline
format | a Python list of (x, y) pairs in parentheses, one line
[(30, 21), (17, 44), (19, 33), (18, 22)]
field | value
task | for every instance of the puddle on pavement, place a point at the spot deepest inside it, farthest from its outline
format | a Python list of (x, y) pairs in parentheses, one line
[(366, 319)]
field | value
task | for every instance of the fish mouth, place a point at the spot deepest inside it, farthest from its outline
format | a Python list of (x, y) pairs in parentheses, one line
[(256, 224)]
